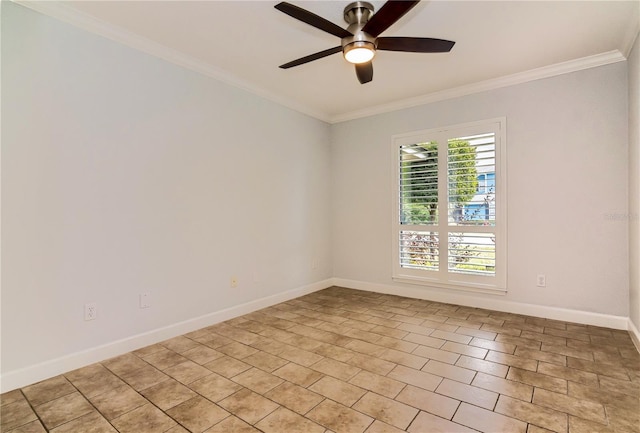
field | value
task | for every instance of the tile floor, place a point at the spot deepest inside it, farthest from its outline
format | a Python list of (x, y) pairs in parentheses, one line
[(343, 360)]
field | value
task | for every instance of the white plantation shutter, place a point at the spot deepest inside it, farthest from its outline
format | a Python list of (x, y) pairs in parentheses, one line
[(449, 220)]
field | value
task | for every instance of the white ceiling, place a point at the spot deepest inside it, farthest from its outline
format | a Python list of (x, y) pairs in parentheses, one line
[(243, 42)]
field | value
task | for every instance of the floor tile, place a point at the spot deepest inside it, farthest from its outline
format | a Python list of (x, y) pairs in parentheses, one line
[(164, 359), (403, 358), (451, 336), (364, 347), (493, 345), (11, 397), (145, 419), (449, 371), (476, 334), (248, 405), (299, 356), (425, 340), (227, 366), (470, 394), (532, 413), (298, 374), (425, 422), (512, 360), (232, 424), (581, 408), (237, 350), (168, 394), (118, 401), (337, 390), (386, 410), (144, 378), (503, 386), (148, 350), (92, 422), (610, 370), (428, 401), (93, 379), (294, 397), (381, 427), (339, 418), (265, 361), (539, 355), (539, 380), (334, 352), (463, 349), (284, 420), (63, 409), (202, 354), (187, 372), (16, 414), (48, 390), (215, 387), (372, 364), (31, 427), (623, 420), (567, 373), (257, 380), (197, 414), (623, 386), (389, 331), (379, 384), (337, 369), (415, 377), (177, 429), (604, 397), (487, 421), (579, 425), (124, 364), (492, 368), (436, 354), (179, 344)]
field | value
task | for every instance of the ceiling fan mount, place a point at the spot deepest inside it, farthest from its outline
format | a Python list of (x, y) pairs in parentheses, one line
[(358, 13), (360, 40)]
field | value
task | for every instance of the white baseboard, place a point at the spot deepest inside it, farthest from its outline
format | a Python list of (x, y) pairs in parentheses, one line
[(35, 373), (635, 334), (459, 298)]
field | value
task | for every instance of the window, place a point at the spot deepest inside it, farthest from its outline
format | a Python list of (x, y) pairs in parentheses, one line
[(449, 215)]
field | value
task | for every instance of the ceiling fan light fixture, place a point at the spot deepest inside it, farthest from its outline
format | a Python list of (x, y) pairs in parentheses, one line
[(358, 52)]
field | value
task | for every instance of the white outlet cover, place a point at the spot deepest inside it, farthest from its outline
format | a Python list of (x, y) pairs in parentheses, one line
[(145, 300), (90, 311)]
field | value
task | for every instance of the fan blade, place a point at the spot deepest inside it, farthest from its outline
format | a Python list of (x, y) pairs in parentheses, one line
[(312, 19), (311, 57), (388, 14), (414, 45), (364, 71)]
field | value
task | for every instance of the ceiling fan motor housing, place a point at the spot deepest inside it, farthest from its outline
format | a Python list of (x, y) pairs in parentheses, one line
[(357, 14)]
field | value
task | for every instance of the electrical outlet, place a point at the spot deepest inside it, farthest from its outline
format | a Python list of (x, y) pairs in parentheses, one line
[(90, 311), (145, 300), (234, 282), (542, 280), (314, 264)]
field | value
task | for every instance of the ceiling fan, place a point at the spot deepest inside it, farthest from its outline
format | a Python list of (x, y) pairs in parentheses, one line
[(360, 40)]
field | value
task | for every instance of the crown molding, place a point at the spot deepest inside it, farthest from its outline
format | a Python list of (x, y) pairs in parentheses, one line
[(93, 25), (483, 86), (632, 34)]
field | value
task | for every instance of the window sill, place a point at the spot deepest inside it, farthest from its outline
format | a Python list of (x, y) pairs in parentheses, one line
[(463, 287)]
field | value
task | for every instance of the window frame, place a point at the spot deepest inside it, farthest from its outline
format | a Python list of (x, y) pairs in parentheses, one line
[(443, 278)]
